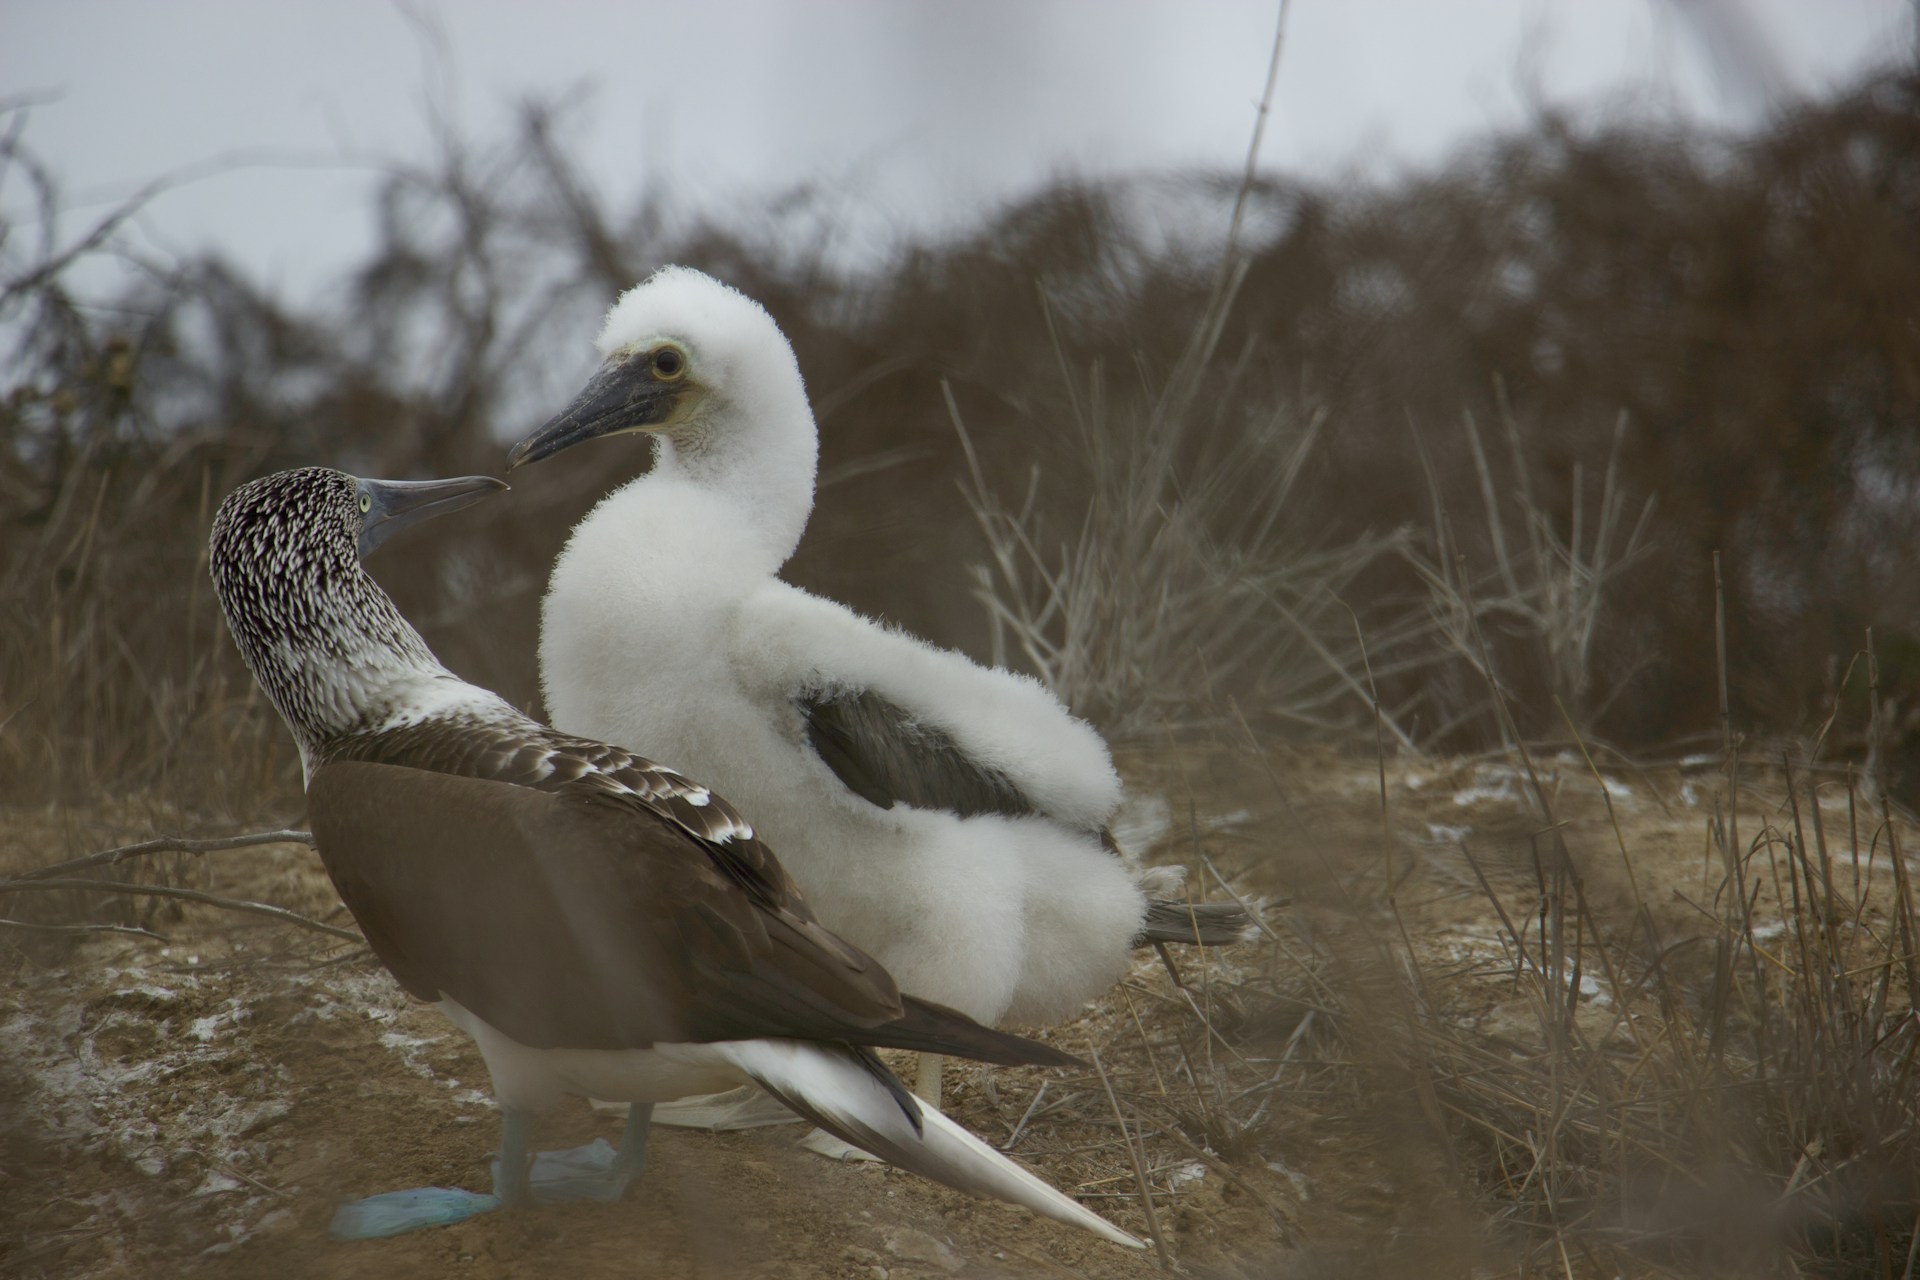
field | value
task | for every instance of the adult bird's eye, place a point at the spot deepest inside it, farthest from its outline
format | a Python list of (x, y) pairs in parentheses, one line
[(668, 364), (366, 503)]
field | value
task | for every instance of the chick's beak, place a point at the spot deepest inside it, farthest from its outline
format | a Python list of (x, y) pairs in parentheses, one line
[(620, 398)]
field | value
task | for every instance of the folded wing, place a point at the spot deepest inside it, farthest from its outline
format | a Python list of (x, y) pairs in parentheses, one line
[(583, 915), (898, 721)]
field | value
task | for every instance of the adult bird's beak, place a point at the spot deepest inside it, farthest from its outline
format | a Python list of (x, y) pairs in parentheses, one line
[(388, 506), (620, 398)]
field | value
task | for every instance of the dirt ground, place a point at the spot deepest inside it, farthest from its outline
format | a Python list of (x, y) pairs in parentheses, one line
[(198, 1106)]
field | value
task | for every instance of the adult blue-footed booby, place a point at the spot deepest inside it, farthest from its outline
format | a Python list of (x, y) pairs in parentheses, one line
[(599, 924), (948, 818)]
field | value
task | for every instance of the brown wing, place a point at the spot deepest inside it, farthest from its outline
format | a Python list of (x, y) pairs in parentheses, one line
[(578, 920), (528, 754)]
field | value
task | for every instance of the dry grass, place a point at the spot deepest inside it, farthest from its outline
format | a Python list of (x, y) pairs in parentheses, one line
[(1575, 1042), (1620, 1064), (1190, 582), (1541, 593), (1579, 1051), (1745, 1103), (1193, 583), (88, 700), (1712, 1078)]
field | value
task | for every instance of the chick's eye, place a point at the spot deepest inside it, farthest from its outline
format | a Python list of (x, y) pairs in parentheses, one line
[(366, 503), (668, 363)]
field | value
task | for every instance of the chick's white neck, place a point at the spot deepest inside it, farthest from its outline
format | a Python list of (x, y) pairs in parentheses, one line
[(756, 455)]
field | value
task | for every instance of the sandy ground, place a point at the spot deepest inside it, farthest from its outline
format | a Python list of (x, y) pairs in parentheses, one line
[(198, 1106)]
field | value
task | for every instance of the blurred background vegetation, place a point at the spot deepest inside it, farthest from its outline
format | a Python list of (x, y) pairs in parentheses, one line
[(1491, 420)]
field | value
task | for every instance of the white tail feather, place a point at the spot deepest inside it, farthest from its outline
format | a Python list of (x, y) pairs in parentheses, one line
[(831, 1088)]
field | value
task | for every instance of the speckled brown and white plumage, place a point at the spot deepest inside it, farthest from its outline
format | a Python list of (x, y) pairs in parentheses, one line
[(355, 681), (601, 925), (321, 637)]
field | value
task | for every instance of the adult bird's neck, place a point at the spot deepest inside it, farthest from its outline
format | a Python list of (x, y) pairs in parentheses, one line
[(763, 471), (334, 654)]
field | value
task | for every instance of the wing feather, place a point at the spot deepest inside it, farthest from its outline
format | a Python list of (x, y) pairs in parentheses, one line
[(565, 919), (899, 721), (887, 757), (588, 908)]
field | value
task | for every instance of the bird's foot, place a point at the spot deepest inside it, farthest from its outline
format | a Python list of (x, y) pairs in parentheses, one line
[(393, 1213), (822, 1143), (593, 1172)]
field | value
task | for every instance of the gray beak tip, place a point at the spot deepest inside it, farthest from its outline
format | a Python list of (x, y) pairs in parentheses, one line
[(397, 504), (549, 438)]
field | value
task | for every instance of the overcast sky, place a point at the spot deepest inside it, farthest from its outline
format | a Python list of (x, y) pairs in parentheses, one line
[(919, 111)]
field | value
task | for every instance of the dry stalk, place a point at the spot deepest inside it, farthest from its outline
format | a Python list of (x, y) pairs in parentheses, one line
[(1139, 1166), (242, 905), (162, 844)]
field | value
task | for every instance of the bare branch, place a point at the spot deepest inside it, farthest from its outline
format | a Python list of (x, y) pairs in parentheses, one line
[(186, 895), (35, 927), (163, 844)]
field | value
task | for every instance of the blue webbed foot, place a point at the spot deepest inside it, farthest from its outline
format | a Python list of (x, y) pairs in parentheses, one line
[(395, 1212), (593, 1172)]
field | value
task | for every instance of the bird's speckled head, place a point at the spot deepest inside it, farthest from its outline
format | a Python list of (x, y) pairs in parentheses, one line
[(325, 642)]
